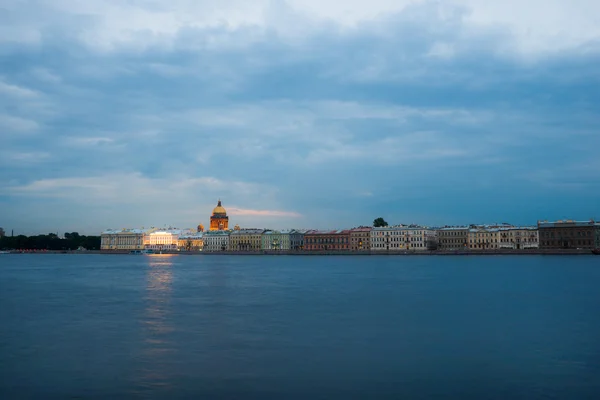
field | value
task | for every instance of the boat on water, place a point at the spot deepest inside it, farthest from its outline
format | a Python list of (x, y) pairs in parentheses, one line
[(4, 252), (596, 252), (149, 251)]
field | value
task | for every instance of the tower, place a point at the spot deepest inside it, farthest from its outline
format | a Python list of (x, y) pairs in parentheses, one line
[(219, 221)]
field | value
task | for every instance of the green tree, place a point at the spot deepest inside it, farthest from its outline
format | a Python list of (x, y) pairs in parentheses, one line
[(379, 222)]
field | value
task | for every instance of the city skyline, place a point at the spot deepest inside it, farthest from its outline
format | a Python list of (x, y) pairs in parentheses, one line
[(298, 114)]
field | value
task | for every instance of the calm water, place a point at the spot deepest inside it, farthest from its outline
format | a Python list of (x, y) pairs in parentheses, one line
[(94, 326)]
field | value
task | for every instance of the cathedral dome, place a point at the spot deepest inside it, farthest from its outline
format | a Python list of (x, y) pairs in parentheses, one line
[(219, 209)]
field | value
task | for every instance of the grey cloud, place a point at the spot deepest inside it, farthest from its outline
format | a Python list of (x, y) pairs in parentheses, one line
[(402, 107)]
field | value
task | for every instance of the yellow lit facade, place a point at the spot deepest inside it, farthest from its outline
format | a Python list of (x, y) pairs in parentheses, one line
[(219, 221), (191, 242), (161, 240)]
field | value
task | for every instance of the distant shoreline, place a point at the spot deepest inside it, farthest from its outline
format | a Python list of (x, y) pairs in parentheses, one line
[(331, 253)]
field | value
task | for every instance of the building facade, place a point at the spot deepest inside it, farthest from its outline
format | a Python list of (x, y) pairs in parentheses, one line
[(483, 238), (246, 240), (567, 234), (215, 241), (124, 239), (453, 238), (191, 242), (518, 238), (360, 238), (385, 239), (597, 244), (297, 239), (316, 240), (162, 240), (403, 238), (219, 221), (275, 240)]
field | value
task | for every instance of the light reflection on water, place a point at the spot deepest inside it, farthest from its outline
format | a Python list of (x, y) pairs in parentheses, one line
[(157, 346)]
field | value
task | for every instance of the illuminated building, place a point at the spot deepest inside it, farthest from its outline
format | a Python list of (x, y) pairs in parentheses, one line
[(191, 242), (162, 240), (219, 221)]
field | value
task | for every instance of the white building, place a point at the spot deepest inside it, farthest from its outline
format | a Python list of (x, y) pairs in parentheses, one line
[(124, 239), (407, 238), (215, 241), (162, 239)]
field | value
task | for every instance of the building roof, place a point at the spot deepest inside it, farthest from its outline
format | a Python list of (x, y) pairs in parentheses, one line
[(248, 232), (565, 224), (454, 228), (219, 211), (217, 233), (124, 231), (196, 235)]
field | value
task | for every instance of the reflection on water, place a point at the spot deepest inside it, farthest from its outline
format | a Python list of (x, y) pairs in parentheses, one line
[(156, 346)]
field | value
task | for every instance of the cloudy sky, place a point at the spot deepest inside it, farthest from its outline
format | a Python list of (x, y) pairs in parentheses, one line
[(297, 113)]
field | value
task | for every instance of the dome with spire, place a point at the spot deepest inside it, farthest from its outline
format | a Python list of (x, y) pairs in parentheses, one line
[(219, 210)]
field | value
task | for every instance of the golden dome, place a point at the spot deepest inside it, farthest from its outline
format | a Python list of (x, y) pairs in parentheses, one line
[(219, 209)]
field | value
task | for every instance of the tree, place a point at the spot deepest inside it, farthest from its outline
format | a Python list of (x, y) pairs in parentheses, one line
[(379, 222)]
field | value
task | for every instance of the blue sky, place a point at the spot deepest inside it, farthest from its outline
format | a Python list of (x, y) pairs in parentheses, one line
[(300, 114)]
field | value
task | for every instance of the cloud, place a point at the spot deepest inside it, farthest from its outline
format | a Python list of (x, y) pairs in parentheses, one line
[(16, 91), (147, 112), (263, 213), (11, 124)]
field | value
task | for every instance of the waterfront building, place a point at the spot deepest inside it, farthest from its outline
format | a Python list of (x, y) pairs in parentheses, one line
[(315, 240), (402, 237), (191, 241), (297, 239), (275, 240), (219, 221), (483, 238), (215, 241), (518, 238), (360, 238), (246, 240), (385, 239), (160, 240), (453, 238), (567, 234), (597, 244), (124, 239)]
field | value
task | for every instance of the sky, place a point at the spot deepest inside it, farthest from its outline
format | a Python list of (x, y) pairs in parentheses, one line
[(297, 114)]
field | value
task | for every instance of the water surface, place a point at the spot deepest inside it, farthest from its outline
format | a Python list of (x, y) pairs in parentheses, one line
[(294, 327)]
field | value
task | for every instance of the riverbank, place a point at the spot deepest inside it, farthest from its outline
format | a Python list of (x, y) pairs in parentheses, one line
[(331, 253)]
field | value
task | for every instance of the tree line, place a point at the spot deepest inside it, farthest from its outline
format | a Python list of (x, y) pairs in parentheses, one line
[(51, 241)]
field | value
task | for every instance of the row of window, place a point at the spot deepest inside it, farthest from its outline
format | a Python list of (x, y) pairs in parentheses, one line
[(560, 243), (382, 245), (326, 240), (566, 234)]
